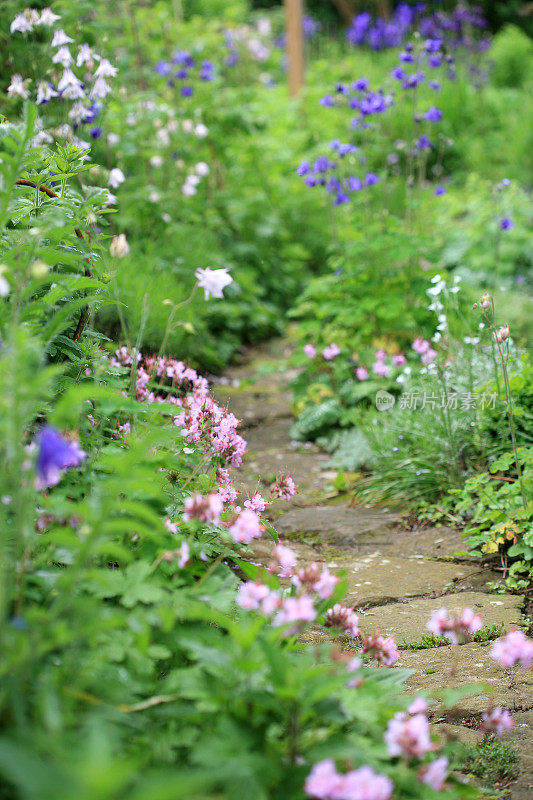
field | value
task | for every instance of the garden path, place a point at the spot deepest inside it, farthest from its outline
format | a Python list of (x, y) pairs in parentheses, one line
[(396, 573)]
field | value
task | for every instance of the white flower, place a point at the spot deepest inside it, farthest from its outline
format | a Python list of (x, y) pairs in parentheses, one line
[(192, 180), (100, 89), (111, 200), (45, 92), (64, 131), (166, 217), (63, 56), (264, 28), (202, 168), (16, 88), (113, 139), (436, 279), (77, 113), (4, 287), (41, 138), (213, 281), (163, 137), (187, 125), (105, 69), (201, 130), (116, 177), (188, 190), (84, 54), (156, 161), (48, 17), (455, 289), (437, 288), (69, 86), (119, 246), (61, 38), (21, 23), (154, 197)]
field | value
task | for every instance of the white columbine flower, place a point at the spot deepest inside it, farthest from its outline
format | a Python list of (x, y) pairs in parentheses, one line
[(116, 177), (63, 56), (156, 161), (84, 54), (202, 169), (69, 86), (119, 246), (61, 38), (187, 125), (100, 89), (105, 69), (4, 286), (21, 23), (16, 88), (113, 139), (77, 113), (213, 281), (188, 189), (48, 17), (45, 92), (436, 279)]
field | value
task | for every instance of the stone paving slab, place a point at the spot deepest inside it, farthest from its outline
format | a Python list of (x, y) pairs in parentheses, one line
[(407, 621), (253, 408), (378, 579), (468, 664), (345, 525)]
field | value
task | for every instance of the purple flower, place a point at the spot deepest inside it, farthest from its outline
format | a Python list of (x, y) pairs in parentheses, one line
[(327, 101), (162, 68), (434, 85), (433, 114), (354, 184), (506, 223), (360, 85), (55, 455), (398, 74), (439, 190), (433, 45), (424, 143), (96, 132), (341, 198), (407, 58), (371, 179), (186, 91), (304, 168)]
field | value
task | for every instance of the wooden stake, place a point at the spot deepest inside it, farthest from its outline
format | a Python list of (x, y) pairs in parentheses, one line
[(295, 44)]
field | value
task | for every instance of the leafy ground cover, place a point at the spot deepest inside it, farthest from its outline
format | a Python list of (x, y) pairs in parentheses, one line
[(163, 203)]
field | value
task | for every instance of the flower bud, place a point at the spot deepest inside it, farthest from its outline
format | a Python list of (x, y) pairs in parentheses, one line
[(119, 246), (39, 270), (474, 306)]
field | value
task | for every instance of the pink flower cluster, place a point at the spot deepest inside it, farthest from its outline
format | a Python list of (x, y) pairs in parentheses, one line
[(497, 720), (424, 350), (284, 488), (325, 783), (330, 352), (458, 628), (245, 527), (380, 367), (343, 617), (514, 648), (205, 509), (408, 735), (255, 503), (315, 578), (434, 774), (382, 649), (283, 561)]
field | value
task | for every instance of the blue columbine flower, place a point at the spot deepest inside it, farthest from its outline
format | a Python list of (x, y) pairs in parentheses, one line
[(440, 190), (162, 68), (55, 455), (186, 91), (96, 132), (304, 168), (506, 223)]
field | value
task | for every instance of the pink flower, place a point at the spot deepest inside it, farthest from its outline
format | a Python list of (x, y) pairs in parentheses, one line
[(285, 488), (324, 782), (331, 351), (514, 648), (361, 374), (295, 609), (457, 628), (246, 527), (309, 350), (419, 704), (399, 360), (383, 649), (381, 369), (497, 720), (325, 584), (250, 595), (172, 527), (435, 774), (255, 503), (206, 509), (364, 784), (429, 356), (421, 346), (340, 616), (408, 736), (283, 561), (381, 355)]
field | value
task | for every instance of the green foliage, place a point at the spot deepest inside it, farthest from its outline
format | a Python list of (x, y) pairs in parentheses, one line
[(512, 54), (493, 761), (429, 640)]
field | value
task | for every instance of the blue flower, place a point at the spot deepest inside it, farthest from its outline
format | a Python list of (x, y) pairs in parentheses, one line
[(96, 132), (162, 68), (55, 455), (440, 190), (304, 168), (327, 101), (424, 143), (186, 91), (371, 179), (506, 223), (433, 114)]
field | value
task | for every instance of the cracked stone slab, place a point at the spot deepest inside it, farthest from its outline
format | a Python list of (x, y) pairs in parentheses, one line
[(339, 523), (378, 579), (407, 621), (253, 408), (468, 664)]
